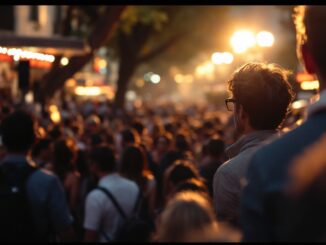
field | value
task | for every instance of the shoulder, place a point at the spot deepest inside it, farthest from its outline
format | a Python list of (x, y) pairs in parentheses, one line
[(95, 193), (278, 154), (226, 166), (289, 142), (43, 176), (225, 173), (42, 183), (119, 183), (235, 165)]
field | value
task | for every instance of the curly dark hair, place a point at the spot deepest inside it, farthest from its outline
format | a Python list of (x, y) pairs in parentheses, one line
[(264, 92)]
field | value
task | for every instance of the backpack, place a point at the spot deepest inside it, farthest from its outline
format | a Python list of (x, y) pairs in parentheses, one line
[(133, 229), (16, 223)]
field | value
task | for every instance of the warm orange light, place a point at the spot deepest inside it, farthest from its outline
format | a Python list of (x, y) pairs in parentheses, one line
[(54, 113), (23, 54), (87, 91), (303, 76), (309, 85), (71, 82)]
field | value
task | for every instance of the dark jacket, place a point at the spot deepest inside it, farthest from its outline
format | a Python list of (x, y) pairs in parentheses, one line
[(261, 207)]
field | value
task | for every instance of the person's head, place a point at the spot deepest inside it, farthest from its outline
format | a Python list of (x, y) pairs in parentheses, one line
[(187, 213), (192, 184), (129, 137), (311, 40), (42, 149), (138, 126), (64, 156), (163, 142), (17, 132), (215, 147), (133, 163), (182, 142), (179, 171), (93, 122), (261, 95), (102, 160)]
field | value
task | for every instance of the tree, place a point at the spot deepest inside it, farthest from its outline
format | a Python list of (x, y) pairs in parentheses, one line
[(97, 37), (161, 35), (164, 36)]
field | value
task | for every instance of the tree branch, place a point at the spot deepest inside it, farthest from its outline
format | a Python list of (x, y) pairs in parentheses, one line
[(160, 49), (101, 33), (110, 16)]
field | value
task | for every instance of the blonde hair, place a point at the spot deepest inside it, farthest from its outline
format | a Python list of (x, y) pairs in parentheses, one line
[(301, 35), (187, 213), (309, 23)]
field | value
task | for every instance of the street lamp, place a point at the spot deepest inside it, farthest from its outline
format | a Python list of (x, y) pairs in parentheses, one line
[(265, 39), (242, 40), (222, 58)]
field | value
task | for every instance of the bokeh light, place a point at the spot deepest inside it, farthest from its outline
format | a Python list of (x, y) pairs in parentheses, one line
[(242, 40), (155, 78), (217, 58), (227, 57), (310, 85), (265, 39), (64, 61)]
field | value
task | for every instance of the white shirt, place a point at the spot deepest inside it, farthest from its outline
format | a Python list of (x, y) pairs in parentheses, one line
[(100, 212)]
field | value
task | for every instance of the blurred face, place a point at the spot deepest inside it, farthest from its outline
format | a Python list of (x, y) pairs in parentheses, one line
[(162, 145)]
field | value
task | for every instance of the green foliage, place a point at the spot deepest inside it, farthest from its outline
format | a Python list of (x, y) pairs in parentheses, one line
[(200, 30), (145, 15)]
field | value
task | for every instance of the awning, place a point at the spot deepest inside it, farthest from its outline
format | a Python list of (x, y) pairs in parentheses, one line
[(67, 46)]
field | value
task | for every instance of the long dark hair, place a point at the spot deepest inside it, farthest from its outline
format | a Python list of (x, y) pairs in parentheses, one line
[(134, 166), (64, 157)]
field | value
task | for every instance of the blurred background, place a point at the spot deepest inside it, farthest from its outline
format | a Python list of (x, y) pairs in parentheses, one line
[(133, 55)]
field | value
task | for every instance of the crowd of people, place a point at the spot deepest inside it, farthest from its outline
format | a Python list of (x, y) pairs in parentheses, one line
[(197, 173)]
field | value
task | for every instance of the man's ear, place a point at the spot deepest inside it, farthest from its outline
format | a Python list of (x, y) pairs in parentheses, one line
[(308, 60)]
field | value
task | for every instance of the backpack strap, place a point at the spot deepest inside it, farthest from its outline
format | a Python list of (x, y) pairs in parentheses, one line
[(118, 207), (114, 201), (116, 204)]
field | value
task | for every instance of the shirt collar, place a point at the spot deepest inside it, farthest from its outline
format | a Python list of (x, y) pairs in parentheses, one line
[(249, 140), (319, 105), (107, 177)]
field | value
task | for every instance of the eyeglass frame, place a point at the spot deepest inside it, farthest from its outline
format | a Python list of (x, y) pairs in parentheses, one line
[(229, 100)]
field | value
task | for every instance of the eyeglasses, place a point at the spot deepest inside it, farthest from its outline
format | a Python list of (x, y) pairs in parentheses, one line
[(230, 104)]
